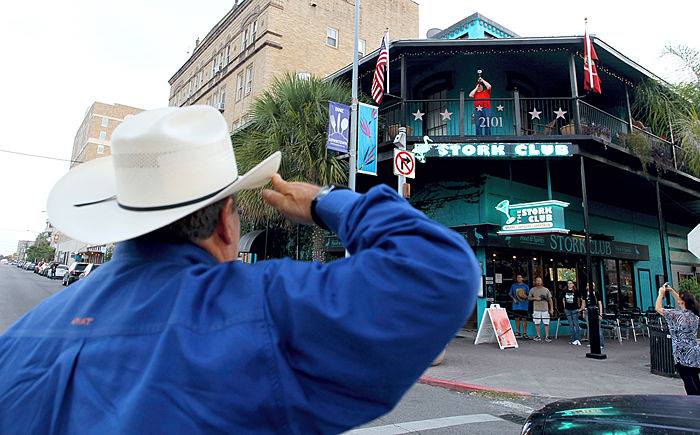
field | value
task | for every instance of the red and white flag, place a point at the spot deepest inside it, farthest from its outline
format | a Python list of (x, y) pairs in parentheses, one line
[(380, 71), (591, 80)]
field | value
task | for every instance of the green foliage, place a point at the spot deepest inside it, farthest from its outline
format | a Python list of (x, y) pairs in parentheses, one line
[(639, 145), (41, 250), (292, 117), (690, 285), (675, 108), (109, 252)]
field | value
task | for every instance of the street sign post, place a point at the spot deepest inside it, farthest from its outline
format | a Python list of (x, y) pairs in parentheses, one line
[(404, 163)]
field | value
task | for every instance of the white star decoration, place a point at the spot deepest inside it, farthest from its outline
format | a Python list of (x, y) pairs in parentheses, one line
[(418, 115), (446, 115), (479, 108), (560, 113), (499, 108), (535, 114)]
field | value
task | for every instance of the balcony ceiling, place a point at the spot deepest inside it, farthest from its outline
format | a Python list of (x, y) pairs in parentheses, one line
[(609, 57)]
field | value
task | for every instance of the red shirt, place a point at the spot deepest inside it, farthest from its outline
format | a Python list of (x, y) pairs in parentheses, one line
[(483, 98)]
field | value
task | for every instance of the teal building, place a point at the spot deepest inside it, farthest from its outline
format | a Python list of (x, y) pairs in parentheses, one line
[(517, 174)]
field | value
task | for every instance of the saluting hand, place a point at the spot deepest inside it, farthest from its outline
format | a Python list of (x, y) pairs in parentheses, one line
[(292, 199)]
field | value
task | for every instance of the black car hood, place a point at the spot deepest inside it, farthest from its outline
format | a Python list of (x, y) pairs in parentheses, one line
[(623, 414)]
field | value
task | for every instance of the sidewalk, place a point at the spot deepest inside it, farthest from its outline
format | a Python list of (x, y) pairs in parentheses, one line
[(555, 369)]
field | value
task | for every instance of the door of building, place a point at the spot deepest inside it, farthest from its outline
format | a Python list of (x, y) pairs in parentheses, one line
[(644, 284)]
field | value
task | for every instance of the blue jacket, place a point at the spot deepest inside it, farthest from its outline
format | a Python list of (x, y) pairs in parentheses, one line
[(163, 339)]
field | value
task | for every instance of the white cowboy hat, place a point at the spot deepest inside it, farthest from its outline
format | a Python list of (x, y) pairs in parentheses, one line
[(165, 164)]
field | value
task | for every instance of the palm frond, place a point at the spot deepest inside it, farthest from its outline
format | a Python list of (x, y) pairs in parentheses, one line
[(291, 117)]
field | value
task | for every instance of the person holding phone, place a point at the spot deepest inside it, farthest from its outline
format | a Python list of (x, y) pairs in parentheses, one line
[(482, 106), (683, 327)]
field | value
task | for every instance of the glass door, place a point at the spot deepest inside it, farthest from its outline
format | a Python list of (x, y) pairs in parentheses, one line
[(612, 285), (619, 285)]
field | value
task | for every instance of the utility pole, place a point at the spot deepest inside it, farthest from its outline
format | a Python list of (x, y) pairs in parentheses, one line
[(353, 113)]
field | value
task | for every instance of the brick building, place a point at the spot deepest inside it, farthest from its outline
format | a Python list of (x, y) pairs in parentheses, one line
[(260, 39), (93, 136), (92, 141)]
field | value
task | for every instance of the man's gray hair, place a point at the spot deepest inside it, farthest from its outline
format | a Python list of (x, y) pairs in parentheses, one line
[(195, 226)]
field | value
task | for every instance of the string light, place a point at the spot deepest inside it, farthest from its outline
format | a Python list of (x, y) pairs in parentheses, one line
[(607, 71), (467, 52)]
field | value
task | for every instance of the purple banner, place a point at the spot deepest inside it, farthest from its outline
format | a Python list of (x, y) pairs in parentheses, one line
[(338, 127)]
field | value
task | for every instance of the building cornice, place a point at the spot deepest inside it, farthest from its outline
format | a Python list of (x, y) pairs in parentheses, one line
[(216, 31)]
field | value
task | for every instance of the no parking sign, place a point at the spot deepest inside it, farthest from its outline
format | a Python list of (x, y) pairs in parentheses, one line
[(404, 163)]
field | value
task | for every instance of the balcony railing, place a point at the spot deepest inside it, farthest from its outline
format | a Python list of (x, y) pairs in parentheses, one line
[(464, 117)]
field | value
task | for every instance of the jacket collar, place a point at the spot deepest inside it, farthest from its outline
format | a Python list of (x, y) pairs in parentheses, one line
[(155, 251)]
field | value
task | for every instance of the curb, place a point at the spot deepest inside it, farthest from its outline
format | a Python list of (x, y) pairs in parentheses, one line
[(458, 386)]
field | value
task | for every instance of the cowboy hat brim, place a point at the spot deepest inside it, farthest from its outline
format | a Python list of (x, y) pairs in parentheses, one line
[(83, 203)]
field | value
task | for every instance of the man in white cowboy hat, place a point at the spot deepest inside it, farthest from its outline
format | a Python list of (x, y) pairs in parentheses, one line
[(174, 336)]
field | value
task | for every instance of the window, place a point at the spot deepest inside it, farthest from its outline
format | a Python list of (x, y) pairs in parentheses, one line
[(253, 31), (100, 149), (435, 124), (222, 97), (103, 135), (239, 87), (249, 79), (246, 38), (619, 285), (228, 54), (362, 47), (332, 37), (105, 122)]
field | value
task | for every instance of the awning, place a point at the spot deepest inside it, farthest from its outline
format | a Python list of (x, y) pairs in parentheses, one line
[(246, 242)]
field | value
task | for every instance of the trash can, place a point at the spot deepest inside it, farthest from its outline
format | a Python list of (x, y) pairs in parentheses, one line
[(661, 352)]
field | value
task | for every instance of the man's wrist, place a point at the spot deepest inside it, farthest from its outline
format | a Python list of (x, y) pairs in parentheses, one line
[(329, 204)]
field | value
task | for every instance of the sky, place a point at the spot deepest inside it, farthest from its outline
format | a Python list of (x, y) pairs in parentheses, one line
[(59, 57)]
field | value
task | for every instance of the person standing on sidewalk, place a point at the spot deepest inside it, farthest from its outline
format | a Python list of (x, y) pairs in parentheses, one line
[(519, 292), (542, 308), (573, 304), (173, 335), (683, 326)]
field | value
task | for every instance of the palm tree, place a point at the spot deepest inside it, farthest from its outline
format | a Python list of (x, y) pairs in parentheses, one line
[(292, 117), (675, 108)]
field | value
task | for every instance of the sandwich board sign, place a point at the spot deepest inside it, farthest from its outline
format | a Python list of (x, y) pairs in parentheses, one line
[(495, 328)]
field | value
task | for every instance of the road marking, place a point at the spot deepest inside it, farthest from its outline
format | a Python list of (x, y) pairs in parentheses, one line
[(513, 405), (435, 423)]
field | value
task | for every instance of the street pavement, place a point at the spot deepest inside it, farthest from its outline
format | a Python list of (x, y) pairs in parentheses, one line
[(20, 291), (432, 410), (556, 369)]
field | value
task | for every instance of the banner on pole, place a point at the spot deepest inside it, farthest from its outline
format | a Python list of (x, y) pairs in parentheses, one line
[(368, 119), (495, 327), (338, 127)]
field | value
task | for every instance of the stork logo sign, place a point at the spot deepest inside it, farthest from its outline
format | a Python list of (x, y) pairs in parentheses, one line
[(533, 217)]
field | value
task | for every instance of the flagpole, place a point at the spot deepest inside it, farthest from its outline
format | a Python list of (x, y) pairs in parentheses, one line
[(353, 118), (590, 56), (388, 63)]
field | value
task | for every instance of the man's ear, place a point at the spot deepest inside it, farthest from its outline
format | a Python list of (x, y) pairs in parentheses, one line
[(225, 227)]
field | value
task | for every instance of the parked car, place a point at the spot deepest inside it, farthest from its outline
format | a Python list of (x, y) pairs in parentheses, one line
[(638, 414), (61, 271), (74, 272), (43, 268), (29, 266), (88, 270)]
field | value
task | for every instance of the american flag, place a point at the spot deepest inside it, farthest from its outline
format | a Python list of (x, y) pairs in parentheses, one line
[(380, 70)]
